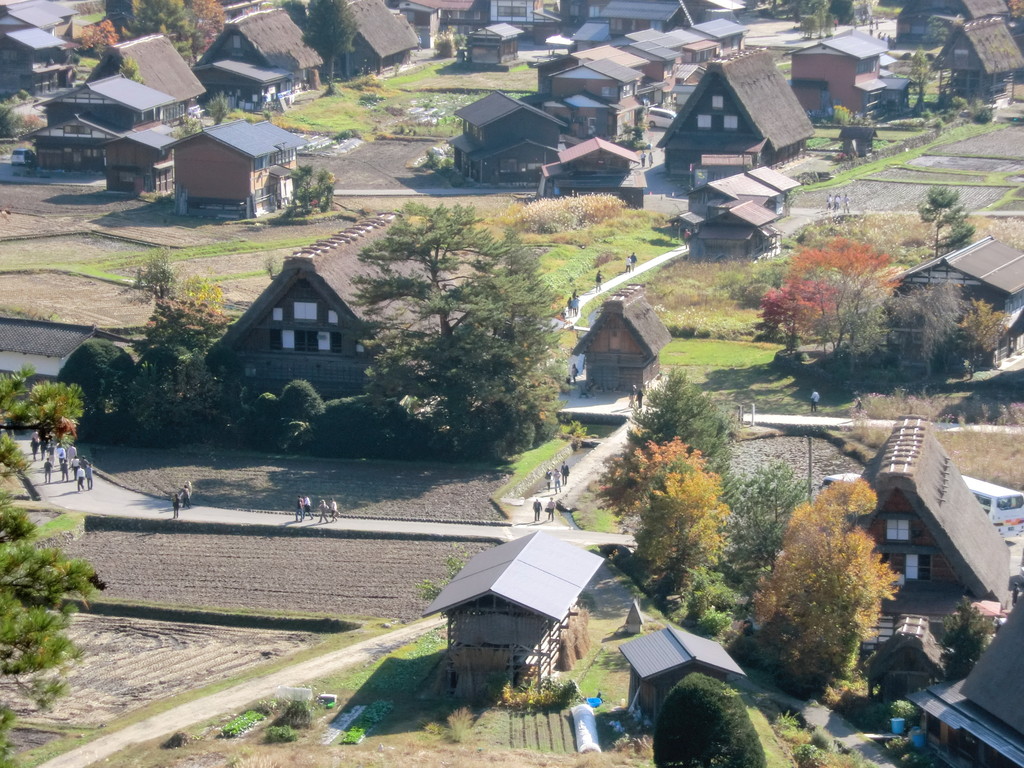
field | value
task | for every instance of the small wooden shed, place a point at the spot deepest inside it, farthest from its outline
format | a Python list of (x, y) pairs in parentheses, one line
[(496, 44), (622, 347), (513, 613), (909, 661), (858, 140), (661, 659)]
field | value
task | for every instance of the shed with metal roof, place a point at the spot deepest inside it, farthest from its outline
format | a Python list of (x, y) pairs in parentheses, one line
[(661, 659), (513, 611)]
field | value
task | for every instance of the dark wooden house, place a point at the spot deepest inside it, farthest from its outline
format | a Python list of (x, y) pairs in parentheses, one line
[(622, 347), (929, 21), (986, 270), (141, 161), (258, 61), (384, 40), (978, 722), (235, 170), (978, 62), (513, 612), (742, 106), (595, 167), (80, 122), (909, 660), (306, 324), (35, 61), (597, 98), (624, 16), (659, 660), (493, 45), (160, 67), (858, 140), (505, 141), (929, 527)]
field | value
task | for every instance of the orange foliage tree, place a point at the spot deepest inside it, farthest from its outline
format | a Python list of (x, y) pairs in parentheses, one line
[(835, 295), (99, 36), (208, 18), (825, 594), (676, 506)]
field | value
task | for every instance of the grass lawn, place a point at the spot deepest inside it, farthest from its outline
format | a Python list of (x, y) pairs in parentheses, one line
[(328, 114), (711, 353)]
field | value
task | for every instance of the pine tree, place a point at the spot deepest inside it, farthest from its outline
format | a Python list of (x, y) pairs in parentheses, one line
[(965, 635), (461, 326), (330, 31), (942, 209)]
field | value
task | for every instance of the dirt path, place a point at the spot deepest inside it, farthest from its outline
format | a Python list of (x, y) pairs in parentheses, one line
[(235, 698)]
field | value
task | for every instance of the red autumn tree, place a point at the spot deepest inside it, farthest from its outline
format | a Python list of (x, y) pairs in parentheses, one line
[(99, 36), (835, 295), (208, 18)]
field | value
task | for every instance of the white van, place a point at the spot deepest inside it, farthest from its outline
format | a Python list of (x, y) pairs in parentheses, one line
[(845, 477), (659, 117), (23, 156), (1004, 506)]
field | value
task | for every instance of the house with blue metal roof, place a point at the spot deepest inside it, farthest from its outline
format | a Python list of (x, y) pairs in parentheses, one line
[(34, 60), (661, 659), (235, 170)]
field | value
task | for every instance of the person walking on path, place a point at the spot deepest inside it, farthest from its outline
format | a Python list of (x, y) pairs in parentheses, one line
[(551, 509), (298, 510), (815, 397), (547, 477), (558, 480), (47, 469), (640, 398), (307, 509), (324, 511), (632, 396), (64, 469), (35, 445), (334, 511), (537, 507), (87, 465), (828, 202), (80, 478), (599, 281), (186, 495), (176, 504), (846, 203), (574, 372), (565, 475)]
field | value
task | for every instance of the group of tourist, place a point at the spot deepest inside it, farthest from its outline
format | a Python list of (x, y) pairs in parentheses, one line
[(182, 498), (72, 466), (328, 511), (833, 203), (556, 478)]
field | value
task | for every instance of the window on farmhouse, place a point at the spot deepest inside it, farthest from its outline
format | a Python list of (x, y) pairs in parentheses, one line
[(897, 530), (704, 121), (306, 341), (305, 310), (732, 122), (717, 102)]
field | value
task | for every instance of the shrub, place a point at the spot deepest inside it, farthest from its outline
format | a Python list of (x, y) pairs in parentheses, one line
[(280, 734), (903, 708), (717, 728), (241, 724), (808, 756), (460, 725), (821, 739), (348, 133), (552, 694), (298, 714), (178, 740), (714, 623)]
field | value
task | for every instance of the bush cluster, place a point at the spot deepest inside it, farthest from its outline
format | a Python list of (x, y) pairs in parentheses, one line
[(552, 694), (280, 734), (239, 725)]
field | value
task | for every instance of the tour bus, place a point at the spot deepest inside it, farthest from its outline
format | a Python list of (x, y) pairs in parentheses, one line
[(1004, 506)]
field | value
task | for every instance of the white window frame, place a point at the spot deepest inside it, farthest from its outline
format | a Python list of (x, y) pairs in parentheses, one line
[(897, 529), (323, 341), (332, 317), (731, 122), (305, 310), (718, 102), (278, 314), (911, 568), (287, 339), (704, 122)]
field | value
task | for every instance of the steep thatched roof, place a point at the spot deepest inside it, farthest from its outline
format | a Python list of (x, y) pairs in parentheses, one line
[(992, 43), (329, 266), (979, 9), (639, 317), (385, 32), (969, 9), (761, 92), (996, 684), (276, 38), (914, 464), (913, 636), (160, 66)]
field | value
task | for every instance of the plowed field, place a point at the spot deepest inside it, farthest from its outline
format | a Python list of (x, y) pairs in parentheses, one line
[(127, 663), (366, 577)]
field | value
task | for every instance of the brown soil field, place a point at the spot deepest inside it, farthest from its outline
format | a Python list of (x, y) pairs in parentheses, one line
[(337, 577), (362, 489), (889, 196), (924, 177), (63, 249), (1008, 142), (128, 663), (379, 165), (50, 199), (952, 162), (72, 299)]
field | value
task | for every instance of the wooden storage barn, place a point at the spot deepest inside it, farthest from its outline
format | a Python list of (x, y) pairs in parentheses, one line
[(661, 659), (622, 346), (908, 661), (513, 612)]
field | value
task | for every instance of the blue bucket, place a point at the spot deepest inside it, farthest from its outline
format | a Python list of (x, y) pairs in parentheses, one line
[(897, 724), (918, 738)]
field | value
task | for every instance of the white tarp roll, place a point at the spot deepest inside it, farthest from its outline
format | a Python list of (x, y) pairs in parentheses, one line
[(586, 728)]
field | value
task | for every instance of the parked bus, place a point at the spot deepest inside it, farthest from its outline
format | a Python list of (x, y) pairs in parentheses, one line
[(1004, 506)]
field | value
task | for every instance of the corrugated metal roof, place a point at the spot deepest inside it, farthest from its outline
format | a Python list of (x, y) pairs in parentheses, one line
[(648, 10), (504, 31), (124, 91), (670, 648), (36, 39), (253, 139), (37, 17), (741, 184), (250, 71), (593, 32), (614, 70), (537, 572), (154, 137), (719, 28), (855, 43), (494, 106), (773, 178), (947, 703)]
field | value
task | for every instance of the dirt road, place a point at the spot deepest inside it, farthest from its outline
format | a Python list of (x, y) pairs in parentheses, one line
[(235, 698)]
